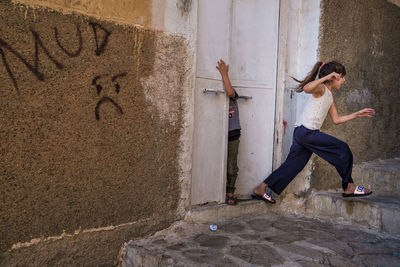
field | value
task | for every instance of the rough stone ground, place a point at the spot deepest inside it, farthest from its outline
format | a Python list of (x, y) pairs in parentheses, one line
[(269, 239)]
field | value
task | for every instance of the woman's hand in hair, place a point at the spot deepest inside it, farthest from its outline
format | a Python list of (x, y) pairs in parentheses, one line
[(333, 76), (366, 112)]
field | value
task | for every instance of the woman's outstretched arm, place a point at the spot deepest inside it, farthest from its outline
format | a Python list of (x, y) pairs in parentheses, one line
[(366, 112)]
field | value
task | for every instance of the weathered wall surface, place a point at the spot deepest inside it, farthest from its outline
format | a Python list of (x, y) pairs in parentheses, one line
[(364, 36), (92, 117), (137, 12)]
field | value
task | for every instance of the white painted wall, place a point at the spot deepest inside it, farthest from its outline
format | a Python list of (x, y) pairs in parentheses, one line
[(307, 32), (298, 53)]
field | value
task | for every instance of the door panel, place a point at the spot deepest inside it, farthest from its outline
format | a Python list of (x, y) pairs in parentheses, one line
[(210, 121), (254, 43), (210, 143), (256, 142), (254, 64), (213, 36)]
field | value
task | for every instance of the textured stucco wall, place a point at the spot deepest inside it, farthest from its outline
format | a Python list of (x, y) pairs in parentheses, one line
[(137, 12), (92, 116), (364, 36)]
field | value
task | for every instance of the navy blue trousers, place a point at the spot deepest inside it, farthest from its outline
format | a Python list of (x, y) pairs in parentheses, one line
[(306, 142)]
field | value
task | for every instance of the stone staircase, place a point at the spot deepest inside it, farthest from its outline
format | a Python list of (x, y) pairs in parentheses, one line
[(379, 211)]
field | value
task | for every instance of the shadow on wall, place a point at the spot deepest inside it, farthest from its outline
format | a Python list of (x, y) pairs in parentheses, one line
[(83, 142)]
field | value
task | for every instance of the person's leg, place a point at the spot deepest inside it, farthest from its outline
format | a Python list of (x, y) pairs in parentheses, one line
[(294, 163), (335, 151), (232, 169)]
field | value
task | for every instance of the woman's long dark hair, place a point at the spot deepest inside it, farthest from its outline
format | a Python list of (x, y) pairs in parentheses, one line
[(321, 70)]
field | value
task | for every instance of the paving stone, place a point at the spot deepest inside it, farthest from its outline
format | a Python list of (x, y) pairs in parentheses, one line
[(284, 225), (297, 253), (339, 247), (338, 261), (380, 260), (258, 254), (159, 241), (232, 227), (353, 234), (260, 225), (368, 248), (179, 246), (212, 241), (321, 234), (285, 238), (250, 236), (208, 258), (305, 263)]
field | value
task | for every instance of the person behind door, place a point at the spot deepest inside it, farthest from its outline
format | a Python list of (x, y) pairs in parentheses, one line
[(308, 139), (233, 133)]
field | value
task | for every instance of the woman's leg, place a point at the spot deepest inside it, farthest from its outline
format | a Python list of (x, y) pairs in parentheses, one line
[(294, 163), (333, 150)]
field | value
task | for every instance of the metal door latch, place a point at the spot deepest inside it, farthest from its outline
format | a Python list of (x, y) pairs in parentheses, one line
[(245, 97), (208, 90), (217, 91)]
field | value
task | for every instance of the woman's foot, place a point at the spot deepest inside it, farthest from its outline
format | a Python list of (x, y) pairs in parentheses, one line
[(260, 193), (231, 199), (260, 189), (356, 191)]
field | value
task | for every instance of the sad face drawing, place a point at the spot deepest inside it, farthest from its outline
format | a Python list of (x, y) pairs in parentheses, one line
[(106, 99)]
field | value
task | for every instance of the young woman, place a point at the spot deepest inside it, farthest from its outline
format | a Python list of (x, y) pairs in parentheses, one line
[(308, 139)]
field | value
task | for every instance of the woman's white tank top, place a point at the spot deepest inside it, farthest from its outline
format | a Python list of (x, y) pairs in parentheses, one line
[(316, 110)]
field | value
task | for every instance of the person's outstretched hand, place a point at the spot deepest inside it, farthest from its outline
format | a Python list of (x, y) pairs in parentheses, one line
[(222, 67), (366, 112)]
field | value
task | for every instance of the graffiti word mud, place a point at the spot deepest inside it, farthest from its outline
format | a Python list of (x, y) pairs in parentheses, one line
[(40, 48)]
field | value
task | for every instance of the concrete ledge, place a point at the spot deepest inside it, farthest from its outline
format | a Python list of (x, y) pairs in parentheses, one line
[(379, 175), (380, 211), (220, 212)]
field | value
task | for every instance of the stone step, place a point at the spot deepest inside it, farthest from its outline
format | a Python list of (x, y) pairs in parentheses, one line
[(220, 212), (379, 175), (379, 211)]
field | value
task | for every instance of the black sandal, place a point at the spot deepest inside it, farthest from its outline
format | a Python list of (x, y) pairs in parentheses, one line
[(231, 200)]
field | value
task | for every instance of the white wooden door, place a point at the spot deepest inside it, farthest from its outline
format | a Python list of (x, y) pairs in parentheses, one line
[(254, 64), (245, 34), (210, 121)]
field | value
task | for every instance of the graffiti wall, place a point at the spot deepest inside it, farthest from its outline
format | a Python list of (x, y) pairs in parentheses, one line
[(90, 123)]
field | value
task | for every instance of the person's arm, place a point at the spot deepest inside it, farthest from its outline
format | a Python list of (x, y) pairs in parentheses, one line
[(315, 87), (223, 70), (366, 112)]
